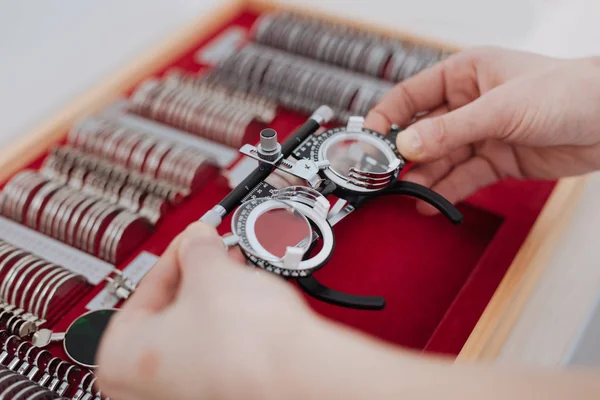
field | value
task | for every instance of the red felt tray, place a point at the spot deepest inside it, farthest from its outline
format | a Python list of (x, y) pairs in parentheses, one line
[(437, 278)]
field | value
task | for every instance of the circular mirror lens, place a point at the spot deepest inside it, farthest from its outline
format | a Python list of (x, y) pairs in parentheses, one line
[(278, 229), (83, 336), (354, 153)]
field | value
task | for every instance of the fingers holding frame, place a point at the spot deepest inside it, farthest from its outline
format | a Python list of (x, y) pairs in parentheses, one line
[(451, 83), (421, 93)]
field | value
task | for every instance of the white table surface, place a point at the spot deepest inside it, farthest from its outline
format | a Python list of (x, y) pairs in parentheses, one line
[(51, 52)]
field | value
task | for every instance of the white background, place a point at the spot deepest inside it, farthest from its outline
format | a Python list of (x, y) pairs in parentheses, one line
[(53, 51)]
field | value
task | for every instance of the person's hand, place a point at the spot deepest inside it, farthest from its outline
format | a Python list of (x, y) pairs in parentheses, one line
[(201, 325), (491, 114)]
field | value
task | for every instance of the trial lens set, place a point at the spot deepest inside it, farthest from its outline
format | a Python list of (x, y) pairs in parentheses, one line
[(73, 223)]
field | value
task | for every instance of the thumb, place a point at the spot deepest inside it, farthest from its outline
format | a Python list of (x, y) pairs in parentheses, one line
[(488, 117), (201, 255)]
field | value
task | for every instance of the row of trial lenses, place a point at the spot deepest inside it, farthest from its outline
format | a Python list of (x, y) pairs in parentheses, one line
[(14, 386), (33, 290), (348, 48), (133, 198), (302, 36), (184, 109), (315, 23), (410, 62), (93, 176), (85, 222), (297, 81), (57, 376), (270, 54), (264, 108), (88, 390), (67, 158), (289, 100), (141, 153)]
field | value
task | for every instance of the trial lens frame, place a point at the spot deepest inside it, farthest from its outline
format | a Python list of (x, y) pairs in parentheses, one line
[(366, 180)]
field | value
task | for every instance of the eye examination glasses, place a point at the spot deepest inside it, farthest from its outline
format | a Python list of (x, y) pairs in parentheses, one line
[(289, 231)]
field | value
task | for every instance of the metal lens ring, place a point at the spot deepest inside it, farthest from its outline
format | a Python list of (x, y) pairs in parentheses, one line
[(304, 195), (252, 218), (328, 246), (359, 162), (249, 225)]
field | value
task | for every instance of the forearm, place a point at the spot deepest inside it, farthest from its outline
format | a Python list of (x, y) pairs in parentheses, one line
[(345, 365), (594, 60)]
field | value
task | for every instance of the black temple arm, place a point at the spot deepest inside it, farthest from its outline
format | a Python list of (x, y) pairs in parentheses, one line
[(311, 286), (422, 193)]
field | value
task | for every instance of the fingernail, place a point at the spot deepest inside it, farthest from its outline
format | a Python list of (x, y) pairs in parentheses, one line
[(409, 143)]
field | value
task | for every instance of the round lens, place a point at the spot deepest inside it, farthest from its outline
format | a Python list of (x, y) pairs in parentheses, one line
[(280, 228), (354, 153), (83, 336)]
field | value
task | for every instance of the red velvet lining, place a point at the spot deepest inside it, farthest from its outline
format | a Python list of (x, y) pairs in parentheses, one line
[(437, 278)]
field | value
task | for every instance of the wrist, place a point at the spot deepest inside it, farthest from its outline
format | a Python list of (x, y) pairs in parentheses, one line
[(268, 368), (331, 361), (594, 61)]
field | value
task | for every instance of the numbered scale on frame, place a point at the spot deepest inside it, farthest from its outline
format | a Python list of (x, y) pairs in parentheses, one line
[(289, 231)]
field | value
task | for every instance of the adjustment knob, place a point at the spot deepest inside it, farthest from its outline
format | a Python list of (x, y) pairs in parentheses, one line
[(269, 149)]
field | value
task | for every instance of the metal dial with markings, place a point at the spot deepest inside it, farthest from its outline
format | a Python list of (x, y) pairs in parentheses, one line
[(268, 228), (276, 228), (310, 147), (359, 159), (263, 191)]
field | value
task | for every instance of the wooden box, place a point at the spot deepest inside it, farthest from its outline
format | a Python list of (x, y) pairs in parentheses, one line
[(478, 329)]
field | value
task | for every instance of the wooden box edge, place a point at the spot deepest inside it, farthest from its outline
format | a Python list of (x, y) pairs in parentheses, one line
[(493, 328)]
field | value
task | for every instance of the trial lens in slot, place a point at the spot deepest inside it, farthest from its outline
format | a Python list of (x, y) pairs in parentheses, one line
[(280, 228)]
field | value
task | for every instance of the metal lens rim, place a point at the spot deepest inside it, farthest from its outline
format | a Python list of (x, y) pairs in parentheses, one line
[(259, 207), (371, 139), (311, 214)]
